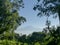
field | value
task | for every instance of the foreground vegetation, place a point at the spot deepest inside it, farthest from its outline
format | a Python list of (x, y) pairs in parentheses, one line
[(10, 20), (36, 38)]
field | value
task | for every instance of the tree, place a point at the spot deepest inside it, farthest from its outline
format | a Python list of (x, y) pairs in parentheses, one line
[(9, 16), (22, 38), (53, 37), (48, 7), (35, 37)]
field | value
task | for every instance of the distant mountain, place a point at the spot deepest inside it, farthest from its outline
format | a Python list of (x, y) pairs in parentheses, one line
[(27, 30)]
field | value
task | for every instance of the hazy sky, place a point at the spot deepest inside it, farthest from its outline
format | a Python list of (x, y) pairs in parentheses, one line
[(34, 23)]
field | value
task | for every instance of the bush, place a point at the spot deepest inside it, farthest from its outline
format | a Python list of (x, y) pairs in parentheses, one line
[(9, 42)]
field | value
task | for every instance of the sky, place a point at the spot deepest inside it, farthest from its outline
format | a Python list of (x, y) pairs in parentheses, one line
[(33, 23)]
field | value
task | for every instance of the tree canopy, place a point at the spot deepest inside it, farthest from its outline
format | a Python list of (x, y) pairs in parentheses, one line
[(9, 16), (48, 7)]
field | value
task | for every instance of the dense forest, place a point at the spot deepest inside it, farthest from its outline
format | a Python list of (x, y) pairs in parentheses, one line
[(10, 20)]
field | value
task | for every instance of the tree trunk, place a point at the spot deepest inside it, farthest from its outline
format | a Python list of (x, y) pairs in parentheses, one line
[(59, 16), (59, 20)]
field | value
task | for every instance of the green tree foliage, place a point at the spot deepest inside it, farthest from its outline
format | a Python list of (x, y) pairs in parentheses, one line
[(9, 16), (22, 38), (52, 37), (48, 7), (35, 37)]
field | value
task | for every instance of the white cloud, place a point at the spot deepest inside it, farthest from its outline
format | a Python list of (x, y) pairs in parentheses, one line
[(28, 30)]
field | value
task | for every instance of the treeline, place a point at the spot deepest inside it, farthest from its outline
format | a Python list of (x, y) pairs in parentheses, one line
[(30, 39), (45, 37)]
